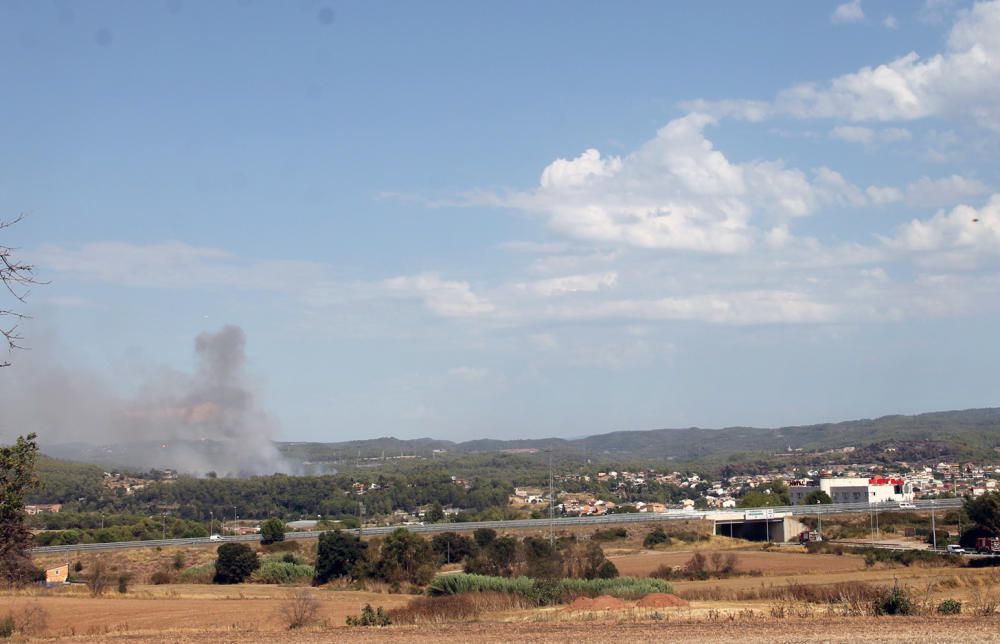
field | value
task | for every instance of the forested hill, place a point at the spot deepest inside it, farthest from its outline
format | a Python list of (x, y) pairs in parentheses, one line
[(968, 433)]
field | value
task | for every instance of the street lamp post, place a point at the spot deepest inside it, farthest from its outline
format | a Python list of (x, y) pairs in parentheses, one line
[(819, 516), (211, 523)]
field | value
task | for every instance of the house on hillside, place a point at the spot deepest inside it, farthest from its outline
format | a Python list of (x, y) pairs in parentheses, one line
[(57, 576), (43, 508)]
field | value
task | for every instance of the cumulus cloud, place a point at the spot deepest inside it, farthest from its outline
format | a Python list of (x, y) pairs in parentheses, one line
[(890, 22), (676, 191), (443, 297), (964, 79), (848, 12), (929, 193), (973, 231)]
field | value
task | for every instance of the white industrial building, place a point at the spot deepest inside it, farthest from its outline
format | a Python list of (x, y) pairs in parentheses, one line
[(857, 490)]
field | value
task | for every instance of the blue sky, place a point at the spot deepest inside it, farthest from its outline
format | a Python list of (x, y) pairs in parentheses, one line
[(480, 219)]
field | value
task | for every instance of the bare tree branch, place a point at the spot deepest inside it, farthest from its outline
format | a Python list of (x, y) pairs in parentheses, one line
[(16, 277)]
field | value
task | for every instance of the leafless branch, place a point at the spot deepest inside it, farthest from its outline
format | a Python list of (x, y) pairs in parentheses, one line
[(16, 277)]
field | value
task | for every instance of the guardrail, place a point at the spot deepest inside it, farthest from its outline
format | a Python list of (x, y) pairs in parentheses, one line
[(644, 517)]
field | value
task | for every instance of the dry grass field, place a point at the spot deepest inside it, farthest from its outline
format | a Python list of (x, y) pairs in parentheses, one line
[(745, 608), (642, 563)]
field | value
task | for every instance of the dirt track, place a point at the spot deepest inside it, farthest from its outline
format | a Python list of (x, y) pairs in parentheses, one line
[(886, 629)]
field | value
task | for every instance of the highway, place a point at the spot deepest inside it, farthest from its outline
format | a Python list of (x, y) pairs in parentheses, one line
[(610, 519)]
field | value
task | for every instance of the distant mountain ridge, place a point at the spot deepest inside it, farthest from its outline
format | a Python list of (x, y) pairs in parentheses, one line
[(965, 434), (971, 432)]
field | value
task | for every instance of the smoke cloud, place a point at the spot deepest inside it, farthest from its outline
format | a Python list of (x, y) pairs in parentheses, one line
[(206, 421)]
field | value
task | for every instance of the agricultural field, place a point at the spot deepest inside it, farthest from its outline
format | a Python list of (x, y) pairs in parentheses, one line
[(777, 595)]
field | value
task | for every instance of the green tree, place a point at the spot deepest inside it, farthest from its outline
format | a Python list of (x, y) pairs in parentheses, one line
[(984, 511), (337, 555), (405, 556), (817, 496), (541, 559), (484, 536), (451, 546), (17, 476), (235, 562), (272, 530), (435, 514)]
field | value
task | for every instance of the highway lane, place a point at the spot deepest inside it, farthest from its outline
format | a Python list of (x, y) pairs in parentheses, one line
[(611, 519)]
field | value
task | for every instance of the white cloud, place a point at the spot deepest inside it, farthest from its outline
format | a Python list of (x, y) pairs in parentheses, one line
[(868, 136), (966, 229), (566, 284), (880, 195), (853, 134), (929, 193), (848, 12), (443, 297), (175, 264), (890, 22), (734, 307), (945, 191), (964, 79), (675, 191), (469, 374)]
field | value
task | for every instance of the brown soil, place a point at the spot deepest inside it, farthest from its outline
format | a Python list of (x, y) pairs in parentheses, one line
[(661, 600), (73, 614), (604, 602), (769, 563), (887, 630)]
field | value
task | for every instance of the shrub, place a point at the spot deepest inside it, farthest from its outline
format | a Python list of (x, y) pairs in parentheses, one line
[(369, 617), (178, 561), (300, 610), (236, 562), (895, 602), (7, 626), (607, 570), (160, 577), (273, 571), (198, 574), (950, 607), (611, 534), (656, 537), (451, 608), (123, 581), (547, 591), (97, 580)]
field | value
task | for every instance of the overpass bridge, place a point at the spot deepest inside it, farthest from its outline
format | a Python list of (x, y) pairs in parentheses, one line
[(782, 519)]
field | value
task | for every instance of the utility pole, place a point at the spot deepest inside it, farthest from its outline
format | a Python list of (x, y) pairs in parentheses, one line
[(211, 523), (819, 515), (552, 538), (164, 517), (933, 527), (361, 520)]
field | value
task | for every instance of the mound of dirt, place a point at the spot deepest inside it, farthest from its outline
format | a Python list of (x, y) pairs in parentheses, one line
[(581, 603), (604, 602), (661, 600), (607, 602)]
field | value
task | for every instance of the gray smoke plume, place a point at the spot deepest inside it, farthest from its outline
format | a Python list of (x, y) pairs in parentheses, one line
[(208, 421)]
